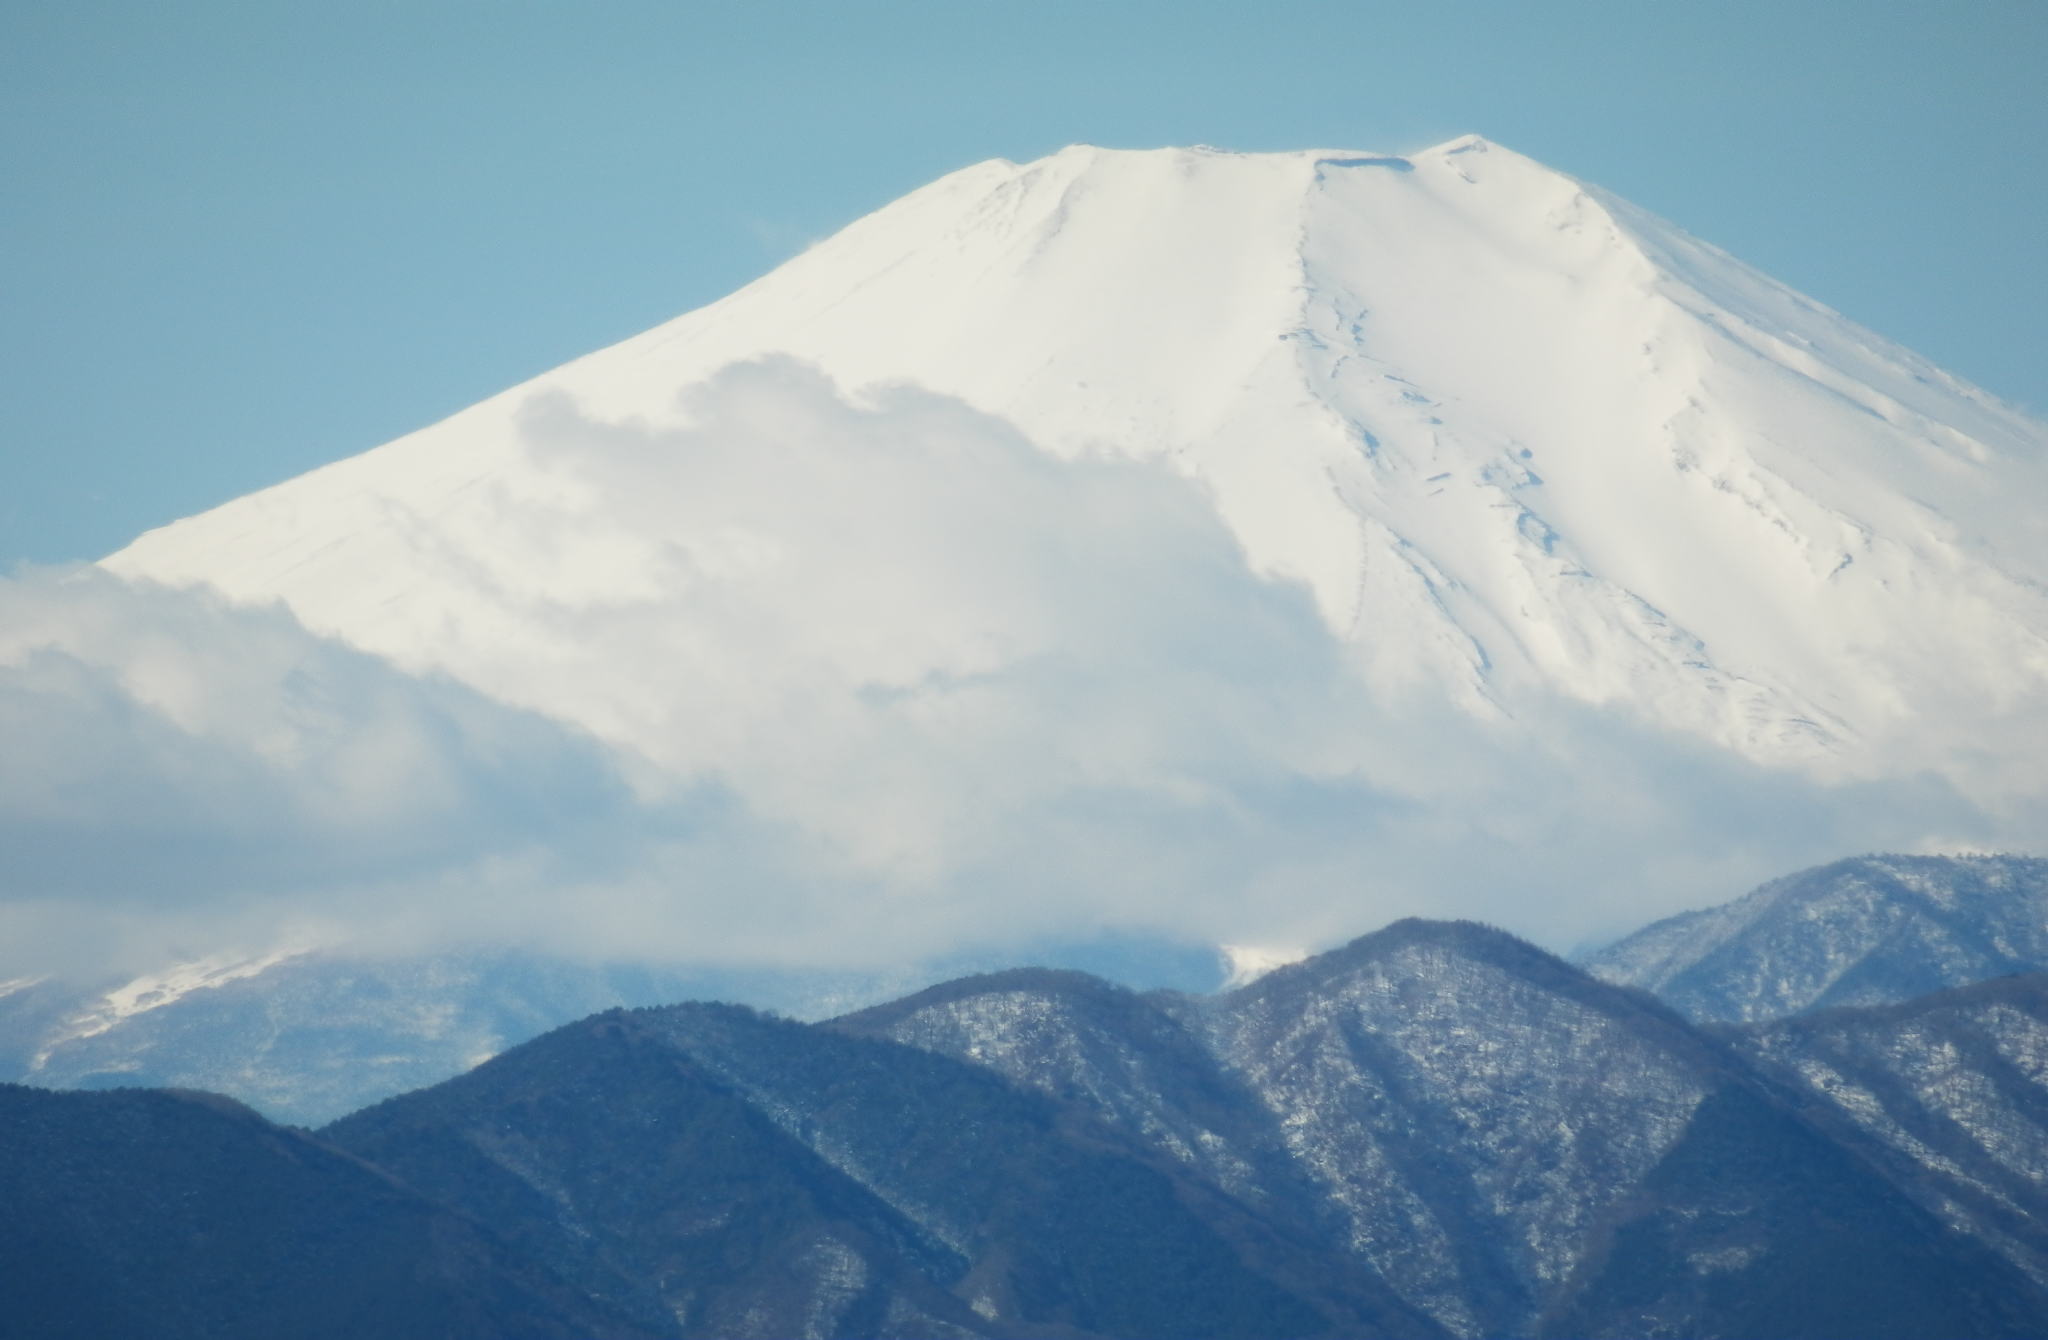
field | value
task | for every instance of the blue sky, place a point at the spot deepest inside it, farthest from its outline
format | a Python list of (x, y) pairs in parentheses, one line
[(242, 239)]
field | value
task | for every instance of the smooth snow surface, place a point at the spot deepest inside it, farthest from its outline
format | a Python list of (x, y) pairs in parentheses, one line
[(1512, 449), (1505, 427)]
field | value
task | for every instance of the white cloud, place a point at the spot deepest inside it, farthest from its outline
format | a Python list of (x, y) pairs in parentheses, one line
[(177, 770), (889, 683), (891, 627)]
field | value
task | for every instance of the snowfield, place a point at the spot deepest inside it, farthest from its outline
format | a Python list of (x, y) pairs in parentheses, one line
[(1512, 433)]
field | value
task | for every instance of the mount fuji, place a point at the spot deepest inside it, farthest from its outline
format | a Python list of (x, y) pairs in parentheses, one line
[(1511, 434), (1236, 549)]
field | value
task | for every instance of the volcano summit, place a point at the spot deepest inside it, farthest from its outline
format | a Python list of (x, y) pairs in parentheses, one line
[(1510, 432)]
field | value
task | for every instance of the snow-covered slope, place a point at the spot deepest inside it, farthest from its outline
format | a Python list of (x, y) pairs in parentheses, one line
[(1513, 1147), (1954, 1087), (1517, 437), (1866, 931), (1462, 1042)]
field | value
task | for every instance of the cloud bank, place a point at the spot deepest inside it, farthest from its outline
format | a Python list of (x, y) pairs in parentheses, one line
[(178, 772), (823, 681)]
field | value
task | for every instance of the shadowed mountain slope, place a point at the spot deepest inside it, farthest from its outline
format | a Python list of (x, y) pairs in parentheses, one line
[(174, 1215), (1953, 1087), (957, 1205), (604, 1151), (1754, 1224)]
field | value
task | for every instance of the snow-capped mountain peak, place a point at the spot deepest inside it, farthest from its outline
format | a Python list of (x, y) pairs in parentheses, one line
[(1510, 431)]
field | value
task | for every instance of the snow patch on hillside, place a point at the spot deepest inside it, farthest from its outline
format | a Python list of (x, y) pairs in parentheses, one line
[(154, 991), (1245, 964)]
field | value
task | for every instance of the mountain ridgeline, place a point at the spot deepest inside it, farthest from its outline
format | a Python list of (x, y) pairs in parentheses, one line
[(1436, 1130), (1866, 931)]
